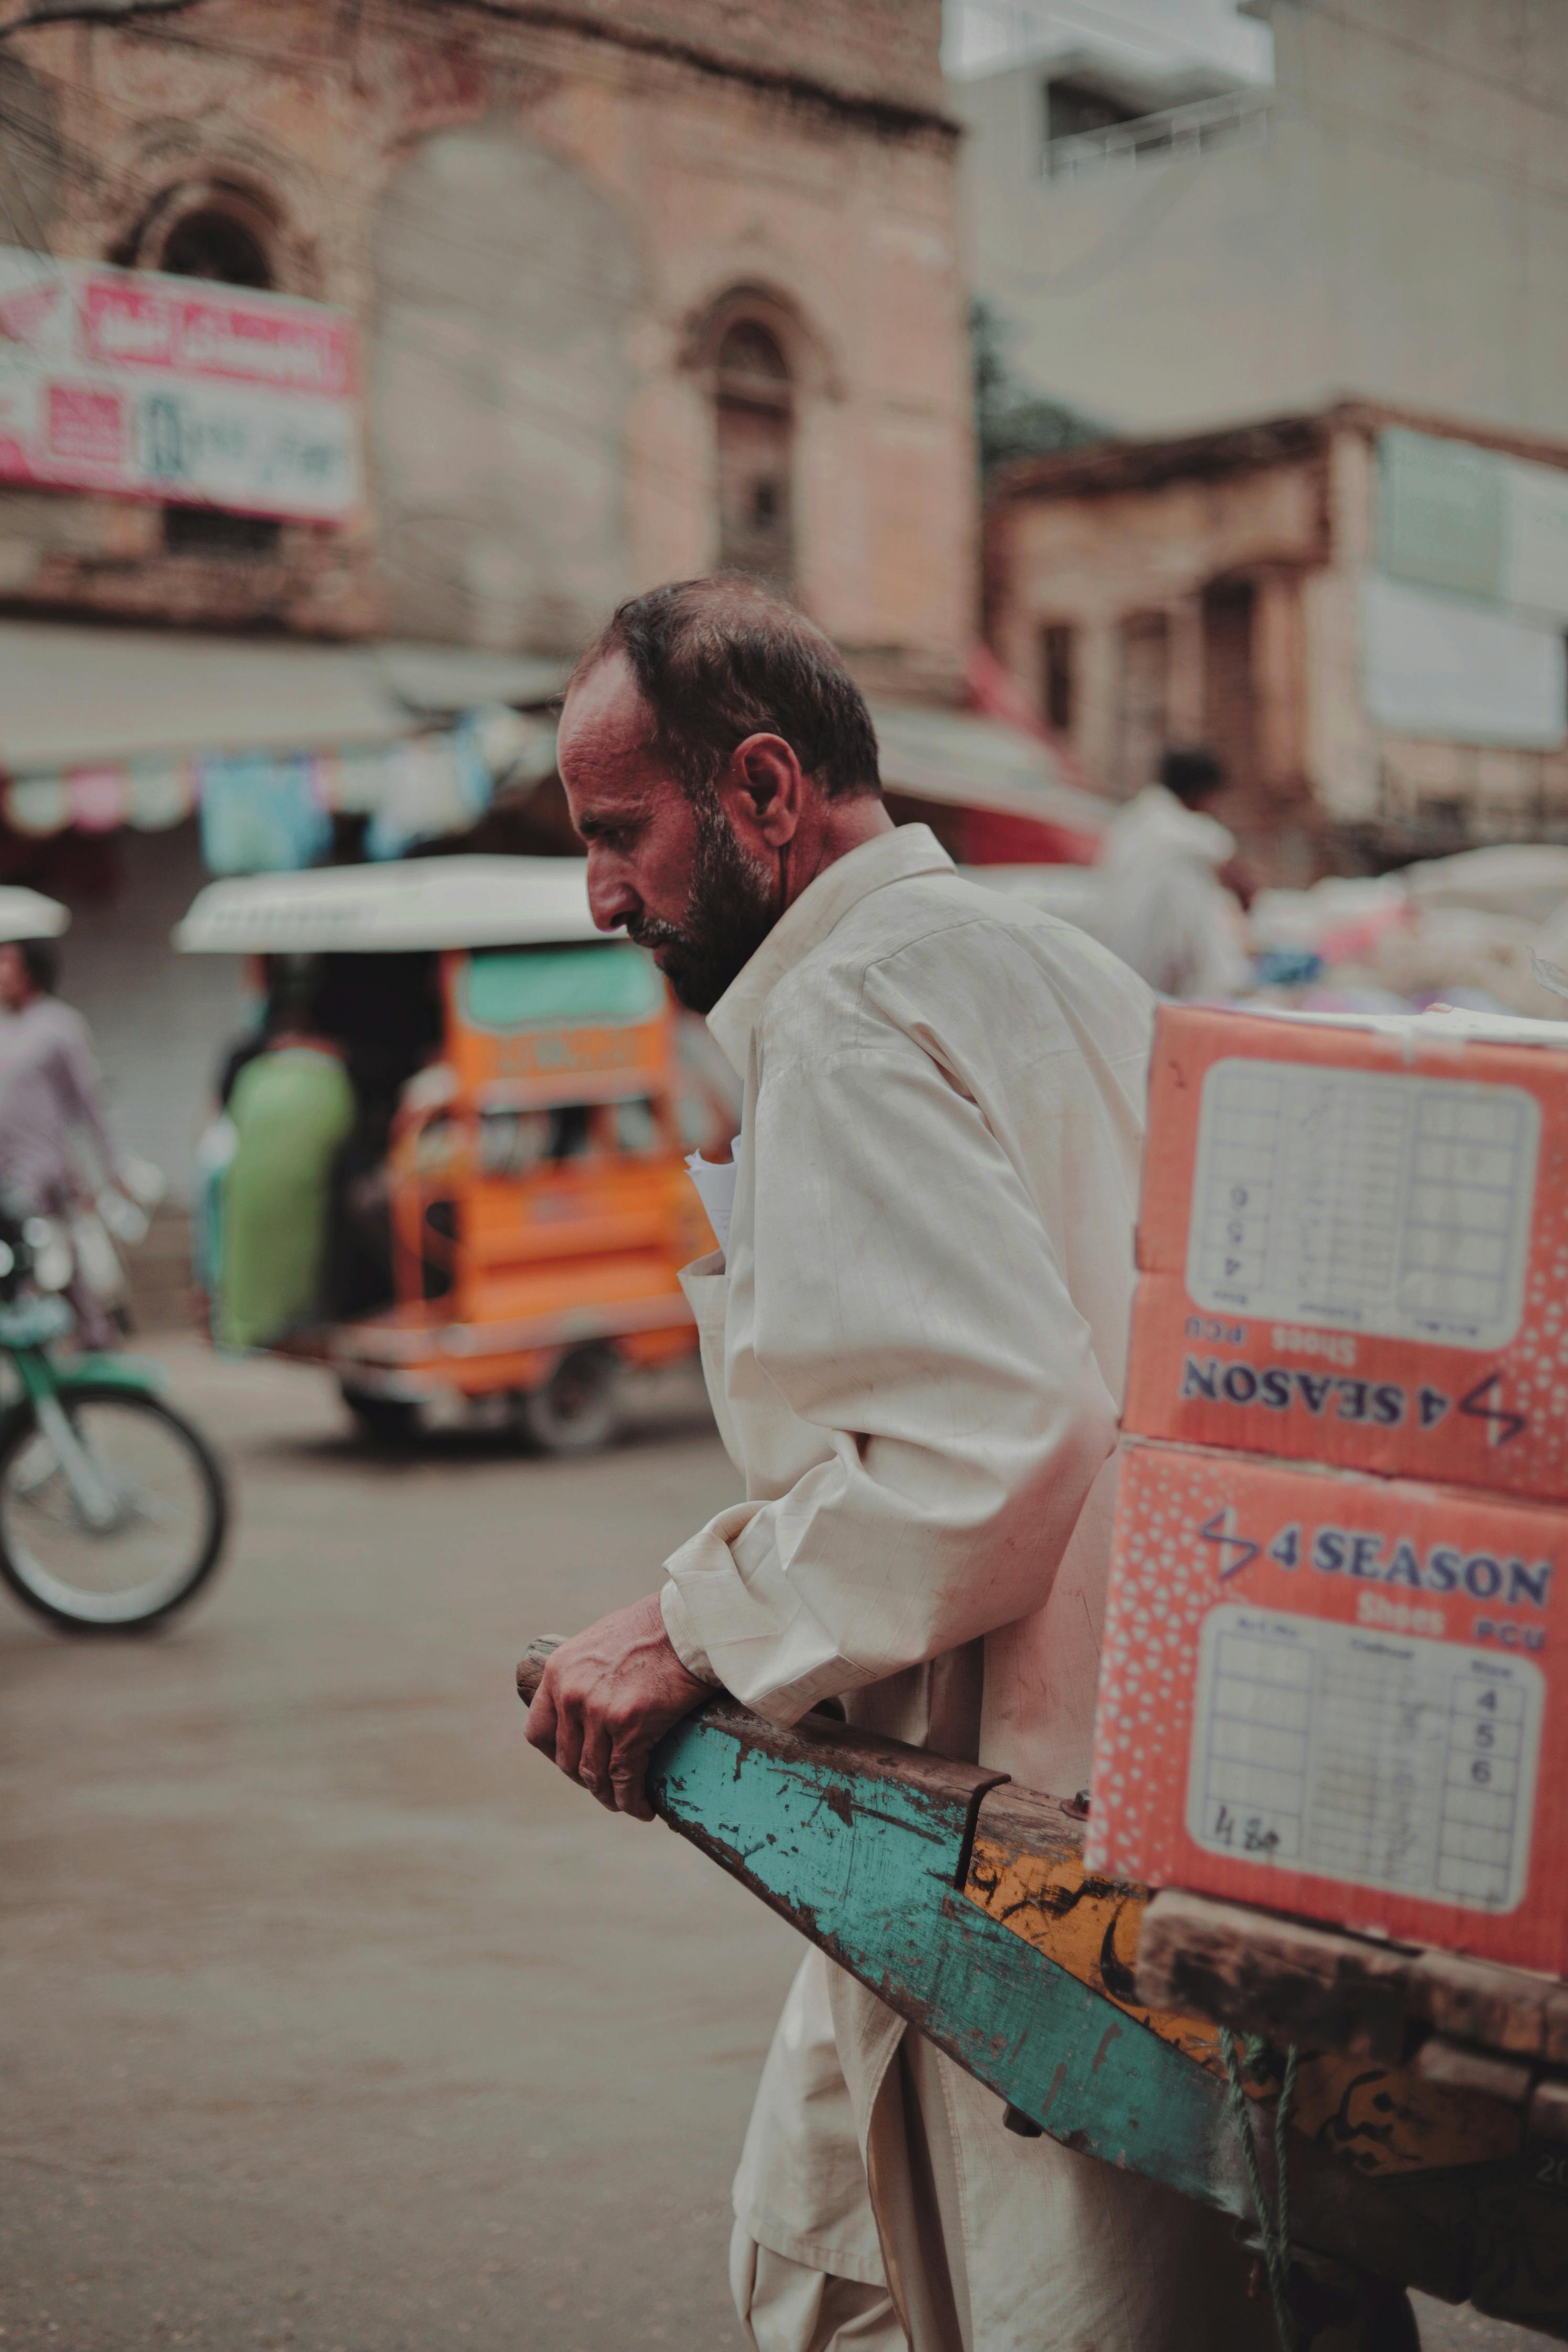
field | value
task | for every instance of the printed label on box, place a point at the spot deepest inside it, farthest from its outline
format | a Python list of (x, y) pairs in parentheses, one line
[(1405, 1764), (1352, 1247), (1335, 1694), (1368, 1203)]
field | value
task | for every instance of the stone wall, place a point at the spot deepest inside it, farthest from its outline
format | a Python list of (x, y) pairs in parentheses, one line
[(1243, 584), (877, 53), (541, 220)]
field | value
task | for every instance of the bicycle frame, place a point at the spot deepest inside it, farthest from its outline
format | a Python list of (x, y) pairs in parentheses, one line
[(28, 1333)]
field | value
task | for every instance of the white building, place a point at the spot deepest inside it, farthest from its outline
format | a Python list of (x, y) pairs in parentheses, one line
[(1179, 242)]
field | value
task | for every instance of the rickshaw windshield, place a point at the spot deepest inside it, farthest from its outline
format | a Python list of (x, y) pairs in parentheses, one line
[(510, 988)]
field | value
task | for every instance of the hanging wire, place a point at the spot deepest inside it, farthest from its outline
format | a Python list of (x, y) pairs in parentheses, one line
[(1273, 2222)]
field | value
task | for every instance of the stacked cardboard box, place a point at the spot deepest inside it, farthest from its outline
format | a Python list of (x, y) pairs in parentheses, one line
[(1333, 1680)]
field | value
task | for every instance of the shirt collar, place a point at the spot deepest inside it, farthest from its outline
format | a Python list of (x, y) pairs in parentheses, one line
[(895, 856)]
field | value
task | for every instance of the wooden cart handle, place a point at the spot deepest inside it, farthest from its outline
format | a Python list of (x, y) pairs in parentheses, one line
[(531, 1664)]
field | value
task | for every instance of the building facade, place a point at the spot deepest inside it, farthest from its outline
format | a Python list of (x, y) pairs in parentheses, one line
[(1177, 248), (638, 287), (629, 288), (1361, 609)]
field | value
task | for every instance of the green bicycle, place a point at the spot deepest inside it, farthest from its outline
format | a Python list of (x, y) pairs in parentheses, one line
[(114, 1508)]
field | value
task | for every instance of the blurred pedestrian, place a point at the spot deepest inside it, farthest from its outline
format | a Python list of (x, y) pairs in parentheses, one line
[(1167, 904), (291, 1109), (914, 1342), (51, 1096)]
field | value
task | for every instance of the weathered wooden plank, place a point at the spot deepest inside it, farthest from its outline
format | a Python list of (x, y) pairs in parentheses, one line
[(1549, 2111), (1387, 2171), (1025, 1978), (867, 1865), (1260, 1972), (1506, 2010), (1450, 2066), (1281, 1978)]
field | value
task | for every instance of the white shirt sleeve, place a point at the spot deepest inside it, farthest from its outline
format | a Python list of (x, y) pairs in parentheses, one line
[(908, 1304)]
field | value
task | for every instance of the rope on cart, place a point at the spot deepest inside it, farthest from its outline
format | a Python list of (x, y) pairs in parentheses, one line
[(1273, 2227)]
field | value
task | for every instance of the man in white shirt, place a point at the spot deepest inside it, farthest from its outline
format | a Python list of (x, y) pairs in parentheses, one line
[(1164, 905), (914, 1344)]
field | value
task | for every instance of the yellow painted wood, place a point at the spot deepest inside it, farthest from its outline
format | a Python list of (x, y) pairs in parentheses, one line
[(1381, 2120)]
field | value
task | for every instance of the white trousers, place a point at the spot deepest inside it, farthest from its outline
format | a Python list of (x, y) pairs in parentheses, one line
[(785, 2306), (927, 2224)]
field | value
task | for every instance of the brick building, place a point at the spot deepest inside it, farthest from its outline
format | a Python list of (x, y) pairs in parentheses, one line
[(637, 287), (1362, 608)]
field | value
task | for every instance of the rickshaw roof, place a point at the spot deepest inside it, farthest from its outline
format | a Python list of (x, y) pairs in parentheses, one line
[(422, 902), (28, 914)]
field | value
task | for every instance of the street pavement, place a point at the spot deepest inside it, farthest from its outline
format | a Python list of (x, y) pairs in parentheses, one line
[(334, 2019), (333, 2016)]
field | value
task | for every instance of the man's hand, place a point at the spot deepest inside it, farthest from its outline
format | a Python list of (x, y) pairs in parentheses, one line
[(607, 1698)]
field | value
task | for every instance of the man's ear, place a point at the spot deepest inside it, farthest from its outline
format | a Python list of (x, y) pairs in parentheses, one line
[(766, 779)]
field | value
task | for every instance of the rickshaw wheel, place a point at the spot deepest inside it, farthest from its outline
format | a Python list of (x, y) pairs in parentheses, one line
[(579, 1407), (384, 1421)]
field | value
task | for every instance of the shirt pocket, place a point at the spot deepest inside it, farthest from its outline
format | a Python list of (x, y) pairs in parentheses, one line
[(707, 1288)]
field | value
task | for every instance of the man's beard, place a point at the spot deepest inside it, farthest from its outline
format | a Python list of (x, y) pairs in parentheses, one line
[(732, 905)]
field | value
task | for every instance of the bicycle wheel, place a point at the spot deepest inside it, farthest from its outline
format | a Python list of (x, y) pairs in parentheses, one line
[(162, 1520)]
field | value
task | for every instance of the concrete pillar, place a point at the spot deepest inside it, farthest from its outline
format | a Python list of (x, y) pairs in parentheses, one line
[(1279, 675), (1184, 691), (1098, 676)]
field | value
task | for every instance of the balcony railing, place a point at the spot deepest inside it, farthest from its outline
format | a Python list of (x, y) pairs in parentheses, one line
[(1237, 115)]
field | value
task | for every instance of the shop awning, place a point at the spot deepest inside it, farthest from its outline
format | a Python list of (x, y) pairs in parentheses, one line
[(435, 902), (268, 741), (949, 759), (71, 696), (441, 679)]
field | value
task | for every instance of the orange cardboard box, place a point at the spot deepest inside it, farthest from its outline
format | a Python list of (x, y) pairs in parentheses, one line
[(1354, 1244), (1339, 1695)]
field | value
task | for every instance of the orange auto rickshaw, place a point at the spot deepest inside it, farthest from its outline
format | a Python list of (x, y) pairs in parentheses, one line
[(527, 1109)]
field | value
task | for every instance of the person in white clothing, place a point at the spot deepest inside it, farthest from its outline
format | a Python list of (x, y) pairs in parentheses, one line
[(1166, 902), (914, 1342)]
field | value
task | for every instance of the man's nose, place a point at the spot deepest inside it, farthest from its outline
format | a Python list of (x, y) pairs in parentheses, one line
[(612, 901)]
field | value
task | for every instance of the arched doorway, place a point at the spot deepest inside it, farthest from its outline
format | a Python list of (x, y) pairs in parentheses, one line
[(226, 235), (753, 399)]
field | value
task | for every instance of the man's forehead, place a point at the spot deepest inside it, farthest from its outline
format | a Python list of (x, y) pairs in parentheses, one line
[(606, 718)]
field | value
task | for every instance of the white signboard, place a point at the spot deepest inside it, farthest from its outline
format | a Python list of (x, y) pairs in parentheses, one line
[(176, 389), (1462, 673), (1536, 567), (1490, 528)]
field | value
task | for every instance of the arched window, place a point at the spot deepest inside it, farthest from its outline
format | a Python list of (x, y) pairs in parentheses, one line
[(755, 416), (221, 234), (217, 243)]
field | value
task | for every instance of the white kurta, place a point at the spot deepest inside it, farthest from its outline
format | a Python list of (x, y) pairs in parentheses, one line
[(1161, 906), (915, 1346), (916, 1342)]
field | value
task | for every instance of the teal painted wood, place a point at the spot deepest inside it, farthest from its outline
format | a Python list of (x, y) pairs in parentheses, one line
[(863, 1845), (868, 1868)]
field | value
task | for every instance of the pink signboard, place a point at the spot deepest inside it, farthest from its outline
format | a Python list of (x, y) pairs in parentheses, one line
[(125, 381)]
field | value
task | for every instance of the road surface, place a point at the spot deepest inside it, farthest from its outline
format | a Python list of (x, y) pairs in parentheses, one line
[(334, 2019)]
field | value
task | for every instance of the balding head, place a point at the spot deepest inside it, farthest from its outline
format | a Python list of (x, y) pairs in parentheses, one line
[(716, 755), (718, 659)]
